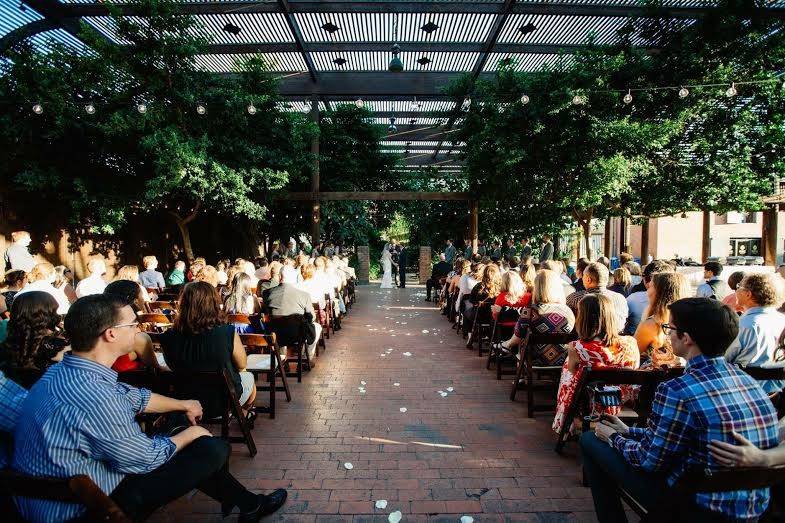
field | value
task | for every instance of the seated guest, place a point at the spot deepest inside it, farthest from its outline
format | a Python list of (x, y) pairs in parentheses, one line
[(711, 401), (528, 274), (462, 267), (636, 276), (194, 269), (263, 272), (11, 397), (653, 344), (131, 273), (622, 282), (142, 356), (93, 284), (638, 301), (714, 287), (605, 261), (482, 297), (466, 284), (558, 268), (250, 269), (200, 339), (15, 279), (177, 276), (439, 271), (625, 257), (761, 325), (273, 281), (310, 285), (41, 278), (34, 339), (220, 267), (208, 274), (80, 409), (151, 278), (290, 274), (547, 314), (598, 345), (285, 299), (733, 282), (243, 301), (580, 266), (595, 281), (513, 295), (63, 278)]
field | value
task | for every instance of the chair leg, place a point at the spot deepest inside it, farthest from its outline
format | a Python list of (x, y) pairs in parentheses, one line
[(529, 389), (271, 379), (518, 376), (283, 377), (499, 365)]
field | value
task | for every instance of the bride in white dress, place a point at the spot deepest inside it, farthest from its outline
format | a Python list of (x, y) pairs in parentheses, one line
[(386, 259)]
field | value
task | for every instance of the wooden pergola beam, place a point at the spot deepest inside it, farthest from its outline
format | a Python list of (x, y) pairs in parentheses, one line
[(392, 195)]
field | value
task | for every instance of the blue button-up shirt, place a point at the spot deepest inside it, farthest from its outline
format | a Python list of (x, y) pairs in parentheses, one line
[(11, 398), (757, 342), (709, 401), (77, 419)]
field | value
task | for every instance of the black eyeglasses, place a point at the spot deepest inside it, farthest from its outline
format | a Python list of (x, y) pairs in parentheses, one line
[(667, 328)]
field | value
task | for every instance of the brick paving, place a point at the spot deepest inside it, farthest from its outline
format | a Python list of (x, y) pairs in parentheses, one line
[(472, 452)]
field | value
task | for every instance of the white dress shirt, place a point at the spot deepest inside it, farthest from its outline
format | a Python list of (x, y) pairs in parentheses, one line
[(44, 286), (93, 284)]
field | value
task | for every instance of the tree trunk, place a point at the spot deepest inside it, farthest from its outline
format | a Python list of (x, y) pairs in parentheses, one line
[(587, 236), (182, 224)]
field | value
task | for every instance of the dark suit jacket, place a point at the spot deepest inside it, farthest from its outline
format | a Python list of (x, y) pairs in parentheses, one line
[(286, 299), (526, 250), (402, 261), (440, 269)]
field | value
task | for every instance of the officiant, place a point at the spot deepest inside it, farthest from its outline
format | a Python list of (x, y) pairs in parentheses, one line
[(402, 265)]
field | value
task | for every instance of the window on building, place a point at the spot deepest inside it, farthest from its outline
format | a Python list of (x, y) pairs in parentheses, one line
[(734, 217)]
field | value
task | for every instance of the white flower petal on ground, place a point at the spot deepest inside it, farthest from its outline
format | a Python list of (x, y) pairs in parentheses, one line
[(348, 466), (425, 331), (403, 409), (383, 354), (407, 353), (467, 519), (395, 517), (381, 503), (362, 383), (440, 391), (396, 384), (443, 394), (450, 389)]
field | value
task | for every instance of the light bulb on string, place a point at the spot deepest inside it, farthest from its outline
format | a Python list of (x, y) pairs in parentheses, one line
[(251, 109), (89, 108), (627, 97), (142, 108), (524, 99), (731, 90), (38, 109), (684, 92), (201, 109), (359, 103), (577, 100)]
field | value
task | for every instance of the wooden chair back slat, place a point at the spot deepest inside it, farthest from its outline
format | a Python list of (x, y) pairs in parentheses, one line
[(243, 319)]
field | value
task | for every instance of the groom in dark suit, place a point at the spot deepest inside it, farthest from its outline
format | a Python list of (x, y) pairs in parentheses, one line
[(402, 265)]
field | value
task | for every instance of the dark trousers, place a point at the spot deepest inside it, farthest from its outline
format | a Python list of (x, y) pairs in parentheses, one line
[(203, 465), (605, 468), (402, 279), (430, 284)]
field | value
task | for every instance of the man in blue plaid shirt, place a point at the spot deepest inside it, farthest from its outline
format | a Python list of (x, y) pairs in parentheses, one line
[(711, 401)]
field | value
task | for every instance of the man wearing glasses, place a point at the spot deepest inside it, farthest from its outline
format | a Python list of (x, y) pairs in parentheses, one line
[(78, 419), (713, 400)]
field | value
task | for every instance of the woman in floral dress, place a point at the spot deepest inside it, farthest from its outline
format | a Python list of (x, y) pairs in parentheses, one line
[(598, 345)]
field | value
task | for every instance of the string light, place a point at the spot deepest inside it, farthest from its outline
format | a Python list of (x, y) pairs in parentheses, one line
[(577, 100), (38, 109), (89, 108), (359, 103), (627, 97), (524, 99), (142, 108), (684, 92), (731, 90), (201, 109), (251, 109)]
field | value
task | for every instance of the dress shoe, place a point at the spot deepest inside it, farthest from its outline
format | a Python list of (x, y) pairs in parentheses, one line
[(267, 505)]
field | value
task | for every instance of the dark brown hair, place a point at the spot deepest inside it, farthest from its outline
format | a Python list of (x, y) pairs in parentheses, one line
[(596, 319), (199, 309), (33, 318)]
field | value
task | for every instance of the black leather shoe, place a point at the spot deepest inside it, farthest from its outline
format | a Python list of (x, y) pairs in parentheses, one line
[(267, 505)]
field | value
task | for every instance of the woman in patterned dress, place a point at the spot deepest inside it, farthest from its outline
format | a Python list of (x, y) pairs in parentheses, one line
[(598, 345)]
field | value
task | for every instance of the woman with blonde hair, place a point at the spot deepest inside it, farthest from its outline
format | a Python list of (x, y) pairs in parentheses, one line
[(513, 295), (547, 313), (622, 282), (528, 274), (653, 343), (462, 267), (599, 345), (208, 274), (243, 301), (482, 297), (131, 273), (41, 278)]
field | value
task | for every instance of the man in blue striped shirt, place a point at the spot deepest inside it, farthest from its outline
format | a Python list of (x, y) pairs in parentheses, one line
[(713, 400), (11, 398), (79, 420)]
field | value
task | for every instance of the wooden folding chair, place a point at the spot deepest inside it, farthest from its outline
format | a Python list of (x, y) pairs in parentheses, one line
[(242, 319), (698, 479), (501, 331), (160, 306), (75, 489), (322, 317), (289, 333), (153, 322), (481, 327), (264, 357)]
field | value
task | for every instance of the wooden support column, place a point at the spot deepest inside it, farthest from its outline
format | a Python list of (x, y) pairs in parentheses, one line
[(316, 214), (363, 264), (607, 238), (474, 224), (769, 235), (645, 242), (425, 264), (624, 237), (706, 240)]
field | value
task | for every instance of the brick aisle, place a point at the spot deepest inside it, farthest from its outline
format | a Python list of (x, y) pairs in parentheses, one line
[(472, 452)]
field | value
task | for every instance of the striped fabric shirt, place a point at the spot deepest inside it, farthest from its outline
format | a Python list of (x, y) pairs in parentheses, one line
[(77, 419), (757, 343), (709, 401), (11, 398)]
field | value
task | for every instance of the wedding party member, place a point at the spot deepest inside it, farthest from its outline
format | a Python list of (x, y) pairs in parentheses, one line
[(714, 287), (79, 408), (41, 278), (151, 278), (653, 343), (595, 281), (387, 268), (142, 354), (402, 260), (761, 325), (598, 345), (17, 256), (547, 314), (449, 252), (546, 250), (34, 339), (93, 284), (710, 402)]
